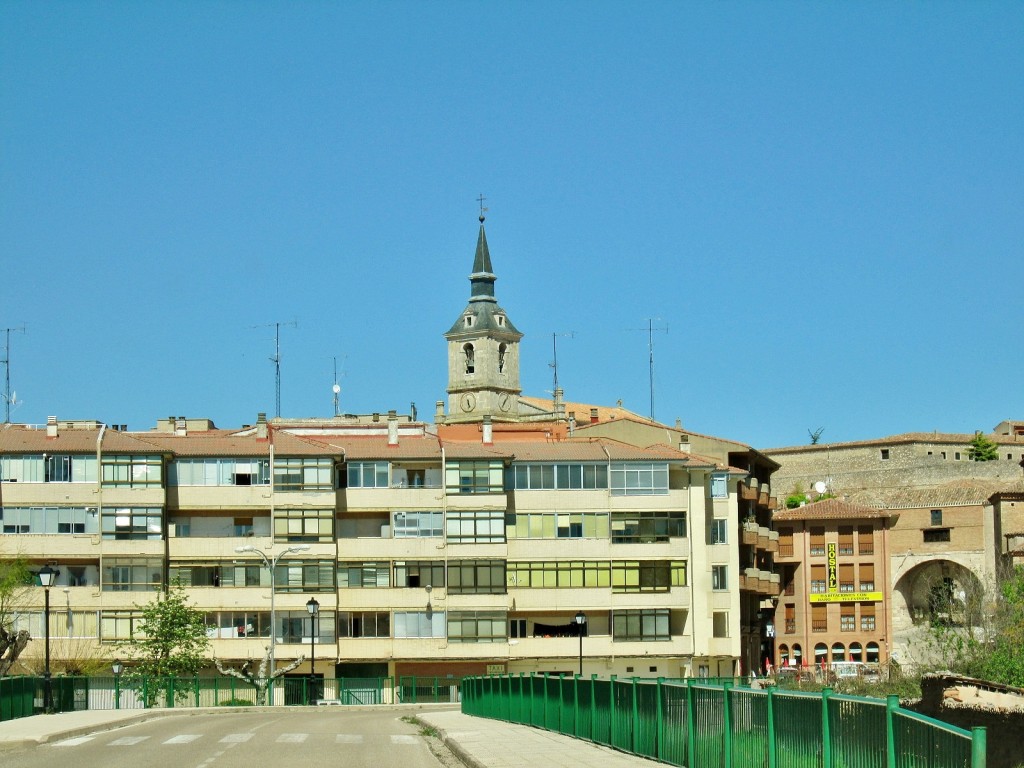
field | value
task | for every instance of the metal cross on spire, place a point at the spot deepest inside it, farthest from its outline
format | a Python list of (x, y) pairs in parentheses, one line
[(482, 209)]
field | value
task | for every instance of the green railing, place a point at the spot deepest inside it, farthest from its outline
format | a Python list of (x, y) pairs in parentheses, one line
[(24, 696), (700, 723)]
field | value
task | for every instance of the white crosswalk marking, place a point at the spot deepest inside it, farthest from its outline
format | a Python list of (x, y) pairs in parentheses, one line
[(184, 738), (348, 738), (404, 740), (291, 738), (73, 742), (236, 738), (128, 741)]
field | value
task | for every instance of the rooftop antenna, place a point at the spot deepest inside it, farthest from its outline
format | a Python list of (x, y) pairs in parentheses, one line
[(276, 360), (336, 387), (554, 356), (8, 396), (650, 350)]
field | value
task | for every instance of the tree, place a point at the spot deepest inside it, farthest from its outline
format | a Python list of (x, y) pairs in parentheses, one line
[(14, 578), (169, 641), (259, 680), (981, 448)]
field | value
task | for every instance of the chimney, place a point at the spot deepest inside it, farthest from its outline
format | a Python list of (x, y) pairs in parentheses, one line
[(572, 424), (488, 431), (593, 415), (559, 404), (392, 428), (439, 412), (51, 426), (684, 443), (261, 426), (376, 418), (181, 426)]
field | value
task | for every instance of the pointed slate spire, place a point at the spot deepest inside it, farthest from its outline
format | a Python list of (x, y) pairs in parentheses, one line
[(483, 277)]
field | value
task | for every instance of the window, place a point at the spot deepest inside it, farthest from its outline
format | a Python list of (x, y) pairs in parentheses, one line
[(364, 624), (867, 617), (133, 523), (644, 625), (719, 577), (785, 542), (790, 619), (51, 520), (372, 575), (817, 579), (305, 576), (303, 525), (477, 626), (817, 541), (557, 574), (218, 472), (127, 574), (231, 625), (885, 454), (936, 535), (419, 623), (533, 477), (867, 577), (305, 474), (639, 478), (846, 578), (219, 574), (719, 531), (956, 456), (720, 624), (641, 576), (865, 540), (647, 527), (936, 517), (819, 618), (719, 485), (502, 348), (54, 468), (476, 577), (242, 527), (474, 477), (116, 626), (789, 579), (467, 526), (419, 573), (368, 474), (467, 350), (417, 524), (845, 540), (294, 626), (562, 525), (132, 471)]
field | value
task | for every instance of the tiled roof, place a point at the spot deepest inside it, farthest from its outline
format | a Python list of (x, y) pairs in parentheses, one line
[(829, 509), (376, 446), (17, 438), (906, 437)]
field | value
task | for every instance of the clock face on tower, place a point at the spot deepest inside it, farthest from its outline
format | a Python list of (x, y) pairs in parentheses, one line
[(468, 402), (505, 402)]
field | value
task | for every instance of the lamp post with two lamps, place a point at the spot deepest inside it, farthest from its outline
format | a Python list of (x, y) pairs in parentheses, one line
[(271, 564), (314, 608), (581, 627), (47, 576)]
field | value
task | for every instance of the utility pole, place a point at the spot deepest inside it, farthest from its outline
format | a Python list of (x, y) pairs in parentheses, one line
[(8, 398)]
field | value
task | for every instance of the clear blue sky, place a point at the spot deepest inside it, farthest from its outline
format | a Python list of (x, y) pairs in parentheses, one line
[(823, 203)]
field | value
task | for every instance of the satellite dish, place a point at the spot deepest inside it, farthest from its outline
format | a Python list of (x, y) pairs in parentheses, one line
[(336, 389), (820, 487)]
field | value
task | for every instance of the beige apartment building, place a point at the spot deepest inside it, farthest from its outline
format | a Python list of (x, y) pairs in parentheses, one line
[(466, 546)]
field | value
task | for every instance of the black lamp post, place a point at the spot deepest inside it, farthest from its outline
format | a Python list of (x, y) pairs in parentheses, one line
[(314, 608), (46, 578), (581, 626), (117, 667)]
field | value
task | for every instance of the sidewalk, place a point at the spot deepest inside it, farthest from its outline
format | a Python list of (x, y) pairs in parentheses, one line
[(477, 741)]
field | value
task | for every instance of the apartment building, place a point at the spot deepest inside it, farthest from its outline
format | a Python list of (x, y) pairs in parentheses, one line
[(472, 545)]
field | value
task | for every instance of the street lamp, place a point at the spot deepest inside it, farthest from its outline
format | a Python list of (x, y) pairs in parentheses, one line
[(581, 626), (117, 668), (46, 578), (272, 566), (314, 608)]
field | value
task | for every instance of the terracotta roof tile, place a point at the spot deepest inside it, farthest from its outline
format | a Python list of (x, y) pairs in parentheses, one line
[(829, 509)]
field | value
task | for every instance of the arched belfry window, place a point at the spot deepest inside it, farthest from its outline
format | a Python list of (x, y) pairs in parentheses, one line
[(501, 357), (468, 349)]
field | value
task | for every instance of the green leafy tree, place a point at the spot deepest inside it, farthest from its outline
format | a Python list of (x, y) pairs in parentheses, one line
[(1005, 661), (14, 578), (981, 448), (169, 641)]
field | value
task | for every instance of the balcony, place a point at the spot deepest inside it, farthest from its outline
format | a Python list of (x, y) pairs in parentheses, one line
[(748, 490), (773, 541), (750, 531)]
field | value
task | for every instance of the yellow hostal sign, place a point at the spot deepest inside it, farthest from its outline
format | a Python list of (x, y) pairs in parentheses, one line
[(847, 597)]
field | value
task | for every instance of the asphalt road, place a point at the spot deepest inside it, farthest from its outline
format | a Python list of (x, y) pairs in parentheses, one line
[(333, 736)]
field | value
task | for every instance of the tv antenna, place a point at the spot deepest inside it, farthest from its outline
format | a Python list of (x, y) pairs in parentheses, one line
[(650, 351), (554, 357), (336, 387), (9, 397), (276, 360)]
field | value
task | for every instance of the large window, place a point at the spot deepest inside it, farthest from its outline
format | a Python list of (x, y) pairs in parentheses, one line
[(418, 524), (419, 623), (528, 477), (419, 573), (561, 525), (49, 520), (867, 577), (368, 474), (647, 527), (305, 576), (639, 478), (132, 523), (474, 477), (647, 575), (719, 531), (477, 626), (219, 575), (719, 486), (867, 617), (559, 574), (720, 624), (467, 526), (117, 626), (294, 627), (305, 474), (132, 470), (845, 539), (645, 625), (846, 583), (132, 574), (364, 575), (364, 624), (49, 468), (219, 472), (229, 625), (304, 525), (476, 577), (817, 540), (817, 579)]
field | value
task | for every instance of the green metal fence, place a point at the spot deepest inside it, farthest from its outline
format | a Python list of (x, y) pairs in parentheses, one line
[(701, 723), (24, 696)]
